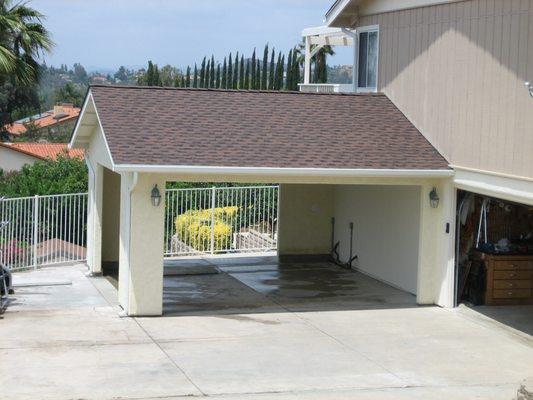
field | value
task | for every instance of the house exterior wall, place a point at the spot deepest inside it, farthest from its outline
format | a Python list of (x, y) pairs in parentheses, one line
[(457, 71), (11, 160), (386, 228), (305, 213)]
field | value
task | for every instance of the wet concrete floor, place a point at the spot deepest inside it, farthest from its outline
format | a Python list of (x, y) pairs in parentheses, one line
[(271, 286)]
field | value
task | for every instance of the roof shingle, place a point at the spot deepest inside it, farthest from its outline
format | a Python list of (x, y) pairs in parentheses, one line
[(199, 127)]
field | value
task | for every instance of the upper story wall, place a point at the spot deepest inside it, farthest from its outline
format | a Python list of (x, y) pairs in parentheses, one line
[(457, 71)]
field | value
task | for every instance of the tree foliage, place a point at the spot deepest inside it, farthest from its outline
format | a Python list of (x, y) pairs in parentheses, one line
[(64, 175)]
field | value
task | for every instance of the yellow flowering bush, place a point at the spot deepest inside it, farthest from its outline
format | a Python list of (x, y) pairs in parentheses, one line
[(194, 227)]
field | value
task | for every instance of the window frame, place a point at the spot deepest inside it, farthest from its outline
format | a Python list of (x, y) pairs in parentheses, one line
[(359, 30)]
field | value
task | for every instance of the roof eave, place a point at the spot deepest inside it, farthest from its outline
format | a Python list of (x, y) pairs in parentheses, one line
[(292, 172)]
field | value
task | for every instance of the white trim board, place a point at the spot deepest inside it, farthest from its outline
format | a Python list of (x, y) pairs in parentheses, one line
[(318, 172), (488, 184)]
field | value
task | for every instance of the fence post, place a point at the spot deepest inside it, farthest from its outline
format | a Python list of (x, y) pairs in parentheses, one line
[(213, 201), (35, 228)]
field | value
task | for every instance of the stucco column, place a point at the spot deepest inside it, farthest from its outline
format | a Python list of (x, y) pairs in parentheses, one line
[(94, 218), (436, 255), (141, 245)]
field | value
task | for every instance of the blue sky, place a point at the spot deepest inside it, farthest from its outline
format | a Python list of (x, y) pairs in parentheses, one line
[(110, 33)]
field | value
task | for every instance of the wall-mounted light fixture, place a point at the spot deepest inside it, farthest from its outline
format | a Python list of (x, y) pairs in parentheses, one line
[(156, 196), (529, 87), (434, 198)]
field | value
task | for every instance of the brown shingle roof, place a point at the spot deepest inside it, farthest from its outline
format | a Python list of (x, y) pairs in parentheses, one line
[(195, 127)]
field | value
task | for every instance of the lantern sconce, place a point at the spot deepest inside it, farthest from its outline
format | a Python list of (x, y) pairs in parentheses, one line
[(529, 87), (156, 196), (434, 198)]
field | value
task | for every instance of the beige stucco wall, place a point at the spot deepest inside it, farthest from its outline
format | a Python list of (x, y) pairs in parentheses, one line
[(457, 71), (141, 246), (386, 228), (305, 213), (11, 160), (111, 216)]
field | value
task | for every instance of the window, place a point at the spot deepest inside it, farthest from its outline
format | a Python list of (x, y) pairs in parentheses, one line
[(368, 59)]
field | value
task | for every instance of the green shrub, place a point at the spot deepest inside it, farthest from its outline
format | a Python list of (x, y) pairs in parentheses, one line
[(194, 227), (64, 175)]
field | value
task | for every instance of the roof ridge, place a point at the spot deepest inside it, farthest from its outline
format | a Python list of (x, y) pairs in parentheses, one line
[(278, 92)]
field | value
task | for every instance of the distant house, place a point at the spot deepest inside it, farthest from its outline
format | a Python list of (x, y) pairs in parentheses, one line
[(13, 156), (62, 116)]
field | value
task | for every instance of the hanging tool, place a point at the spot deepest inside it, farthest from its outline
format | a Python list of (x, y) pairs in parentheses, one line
[(352, 257)]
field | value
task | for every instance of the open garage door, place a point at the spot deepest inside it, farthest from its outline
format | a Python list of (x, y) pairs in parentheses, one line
[(494, 258)]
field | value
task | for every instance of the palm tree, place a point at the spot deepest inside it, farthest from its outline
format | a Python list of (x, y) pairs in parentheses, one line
[(23, 39), (319, 60)]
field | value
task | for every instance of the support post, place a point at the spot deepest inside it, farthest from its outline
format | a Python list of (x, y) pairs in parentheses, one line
[(35, 229), (307, 65), (213, 204)]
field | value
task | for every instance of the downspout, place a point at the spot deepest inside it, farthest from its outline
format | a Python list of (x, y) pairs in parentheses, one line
[(90, 208)]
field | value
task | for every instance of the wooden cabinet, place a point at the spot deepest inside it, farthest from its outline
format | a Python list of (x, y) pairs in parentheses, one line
[(509, 279)]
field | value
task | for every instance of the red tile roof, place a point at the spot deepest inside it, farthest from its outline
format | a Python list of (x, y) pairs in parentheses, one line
[(61, 113), (44, 150), (199, 127)]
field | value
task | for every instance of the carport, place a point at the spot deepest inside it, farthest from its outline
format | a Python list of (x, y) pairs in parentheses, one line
[(354, 159)]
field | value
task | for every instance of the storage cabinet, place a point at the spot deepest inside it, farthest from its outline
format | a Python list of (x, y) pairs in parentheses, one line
[(509, 279)]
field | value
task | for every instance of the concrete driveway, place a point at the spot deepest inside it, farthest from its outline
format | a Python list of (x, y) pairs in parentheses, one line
[(68, 342)]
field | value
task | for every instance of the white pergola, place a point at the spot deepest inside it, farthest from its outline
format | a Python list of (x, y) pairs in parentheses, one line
[(318, 37)]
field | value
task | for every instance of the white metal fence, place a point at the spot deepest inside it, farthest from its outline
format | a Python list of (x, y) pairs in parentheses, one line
[(43, 230), (47, 230), (221, 220)]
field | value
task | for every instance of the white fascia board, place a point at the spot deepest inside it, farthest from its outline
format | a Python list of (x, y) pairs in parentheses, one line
[(516, 189), (78, 122), (268, 171), (337, 9), (89, 98)]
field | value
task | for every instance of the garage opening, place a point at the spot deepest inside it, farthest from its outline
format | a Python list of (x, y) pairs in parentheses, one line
[(494, 258), (288, 248)]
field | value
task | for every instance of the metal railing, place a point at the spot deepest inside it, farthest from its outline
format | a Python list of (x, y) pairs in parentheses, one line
[(221, 220), (48, 230), (43, 230)]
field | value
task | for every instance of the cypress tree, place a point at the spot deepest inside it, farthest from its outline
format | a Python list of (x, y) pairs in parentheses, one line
[(264, 77), (156, 79), (195, 78), (188, 77), (282, 73), (258, 75), (253, 82), (229, 82), (241, 73), (295, 71), (149, 76), (272, 71), (212, 74), (247, 77), (235, 81), (288, 84), (183, 81), (206, 76), (224, 77), (276, 73), (217, 80), (202, 74)]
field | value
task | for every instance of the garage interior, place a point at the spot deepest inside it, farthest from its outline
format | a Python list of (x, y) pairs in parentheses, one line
[(494, 259), (320, 229)]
